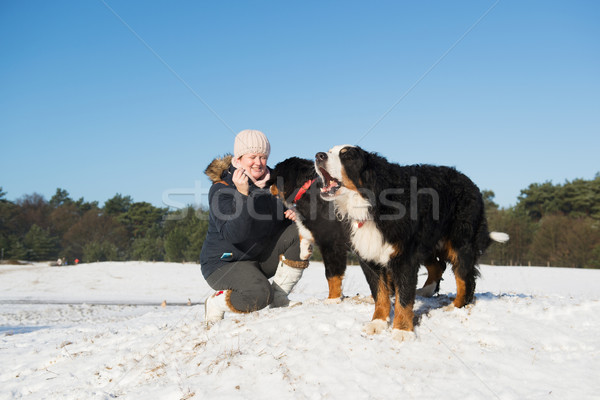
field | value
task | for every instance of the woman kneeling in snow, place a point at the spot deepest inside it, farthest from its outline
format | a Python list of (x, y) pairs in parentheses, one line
[(250, 237)]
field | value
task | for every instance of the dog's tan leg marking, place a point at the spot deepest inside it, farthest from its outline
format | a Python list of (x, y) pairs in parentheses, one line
[(461, 293), (461, 286), (403, 325), (435, 270), (403, 316), (381, 315), (335, 289)]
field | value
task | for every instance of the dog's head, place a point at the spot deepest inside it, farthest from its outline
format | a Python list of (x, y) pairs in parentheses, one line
[(289, 175), (343, 171), (348, 179)]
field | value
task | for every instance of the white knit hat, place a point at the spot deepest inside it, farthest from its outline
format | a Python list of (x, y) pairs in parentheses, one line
[(251, 141)]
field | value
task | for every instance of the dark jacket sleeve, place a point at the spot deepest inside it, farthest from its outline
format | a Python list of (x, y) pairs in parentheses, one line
[(229, 211)]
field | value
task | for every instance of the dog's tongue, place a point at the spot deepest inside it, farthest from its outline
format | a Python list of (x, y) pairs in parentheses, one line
[(332, 184)]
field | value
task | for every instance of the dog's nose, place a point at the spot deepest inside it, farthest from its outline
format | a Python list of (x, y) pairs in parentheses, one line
[(321, 156)]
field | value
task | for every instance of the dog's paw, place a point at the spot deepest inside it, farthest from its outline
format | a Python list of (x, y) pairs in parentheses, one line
[(403, 336), (375, 326), (336, 300), (427, 291), (449, 307), (452, 307)]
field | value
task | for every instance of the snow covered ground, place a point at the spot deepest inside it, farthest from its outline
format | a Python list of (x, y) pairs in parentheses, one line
[(97, 331)]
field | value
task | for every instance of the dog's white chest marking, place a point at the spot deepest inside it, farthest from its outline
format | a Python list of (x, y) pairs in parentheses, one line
[(369, 243), (366, 238)]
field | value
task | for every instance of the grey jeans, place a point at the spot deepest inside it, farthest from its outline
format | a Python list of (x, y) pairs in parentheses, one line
[(249, 280)]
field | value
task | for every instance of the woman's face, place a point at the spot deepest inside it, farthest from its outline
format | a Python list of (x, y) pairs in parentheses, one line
[(254, 164)]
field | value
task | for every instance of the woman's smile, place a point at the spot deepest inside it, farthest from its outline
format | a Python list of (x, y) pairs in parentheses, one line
[(254, 164)]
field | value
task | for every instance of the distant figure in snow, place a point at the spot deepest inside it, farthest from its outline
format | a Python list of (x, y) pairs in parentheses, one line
[(59, 262), (251, 237)]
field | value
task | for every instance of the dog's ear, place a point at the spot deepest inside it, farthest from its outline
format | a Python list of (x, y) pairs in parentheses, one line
[(353, 160), (306, 171), (372, 169), (350, 153), (273, 189), (273, 180)]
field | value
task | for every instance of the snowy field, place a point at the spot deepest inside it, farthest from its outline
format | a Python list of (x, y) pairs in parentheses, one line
[(98, 331)]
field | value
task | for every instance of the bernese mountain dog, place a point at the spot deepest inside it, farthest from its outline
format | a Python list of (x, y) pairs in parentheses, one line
[(404, 216), (298, 185)]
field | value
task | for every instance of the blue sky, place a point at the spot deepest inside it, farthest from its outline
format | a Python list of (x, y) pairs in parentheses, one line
[(137, 97)]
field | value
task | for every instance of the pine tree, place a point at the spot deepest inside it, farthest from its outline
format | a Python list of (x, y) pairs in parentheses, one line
[(17, 250), (60, 198), (117, 205), (40, 245), (100, 251), (151, 247), (538, 200), (186, 230), (8, 211), (176, 244), (140, 218)]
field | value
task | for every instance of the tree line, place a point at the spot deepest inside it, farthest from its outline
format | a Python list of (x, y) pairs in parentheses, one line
[(35, 229), (551, 224)]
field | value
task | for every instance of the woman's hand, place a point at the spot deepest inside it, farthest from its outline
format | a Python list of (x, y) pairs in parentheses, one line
[(240, 179), (290, 214)]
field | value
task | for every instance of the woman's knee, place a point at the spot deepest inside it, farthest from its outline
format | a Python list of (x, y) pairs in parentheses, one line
[(252, 297)]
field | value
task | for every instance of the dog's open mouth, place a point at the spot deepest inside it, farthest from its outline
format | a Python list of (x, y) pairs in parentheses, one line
[(330, 184)]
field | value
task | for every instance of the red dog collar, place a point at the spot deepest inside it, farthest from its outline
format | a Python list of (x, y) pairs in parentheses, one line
[(303, 190)]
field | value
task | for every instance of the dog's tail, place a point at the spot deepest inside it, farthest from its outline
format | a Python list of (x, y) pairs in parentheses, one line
[(499, 237)]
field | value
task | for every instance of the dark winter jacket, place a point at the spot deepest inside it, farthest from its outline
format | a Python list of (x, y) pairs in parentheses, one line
[(240, 226)]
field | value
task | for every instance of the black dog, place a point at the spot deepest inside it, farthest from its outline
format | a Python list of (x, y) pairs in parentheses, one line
[(296, 182), (401, 217)]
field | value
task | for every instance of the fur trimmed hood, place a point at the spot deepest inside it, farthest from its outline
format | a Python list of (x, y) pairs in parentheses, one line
[(217, 167)]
